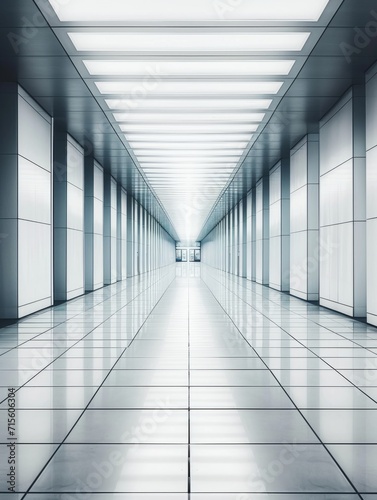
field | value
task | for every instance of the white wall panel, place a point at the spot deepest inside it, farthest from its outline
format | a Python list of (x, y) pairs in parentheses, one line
[(337, 195), (34, 192), (34, 207), (34, 133), (34, 266), (343, 206), (75, 252), (371, 182), (337, 135)]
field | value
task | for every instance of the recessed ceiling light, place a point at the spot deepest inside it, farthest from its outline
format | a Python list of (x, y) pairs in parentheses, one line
[(190, 152), (178, 146), (190, 166), (185, 159), (188, 104), (183, 137), (164, 170), (190, 128), (157, 68), (139, 90), (186, 11), (191, 42), (187, 117)]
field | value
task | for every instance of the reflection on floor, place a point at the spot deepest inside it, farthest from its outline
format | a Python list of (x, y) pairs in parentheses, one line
[(190, 383)]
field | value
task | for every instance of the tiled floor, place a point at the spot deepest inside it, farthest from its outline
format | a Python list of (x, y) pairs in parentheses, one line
[(187, 383)]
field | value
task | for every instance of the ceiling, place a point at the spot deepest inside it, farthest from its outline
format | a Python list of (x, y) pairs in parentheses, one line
[(186, 103)]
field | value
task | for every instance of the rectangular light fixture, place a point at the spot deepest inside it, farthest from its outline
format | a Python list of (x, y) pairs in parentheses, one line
[(139, 12), (154, 69), (187, 117), (179, 146), (214, 128), (182, 137), (187, 104), (188, 42), (190, 166), (139, 90), (189, 152), (184, 159), (174, 170)]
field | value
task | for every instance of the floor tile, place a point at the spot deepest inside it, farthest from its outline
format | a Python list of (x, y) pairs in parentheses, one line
[(147, 378), (330, 397), (359, 463), (265, 468), (30, 459), (307, 378), (53, 397), (141, 397), (39, 426), (116, 468), (239, 397), (245, 426), (344, 426), (159, 426), (232, 378)]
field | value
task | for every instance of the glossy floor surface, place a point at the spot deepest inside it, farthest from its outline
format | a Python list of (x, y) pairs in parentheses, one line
[(190, 383)]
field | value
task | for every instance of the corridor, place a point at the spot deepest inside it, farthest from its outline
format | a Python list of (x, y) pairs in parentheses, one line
[(190, 383)]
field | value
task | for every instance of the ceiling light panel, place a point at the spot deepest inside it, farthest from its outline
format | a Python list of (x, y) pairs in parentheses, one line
[(189, 152), (158, 68), (183, 104), (189, 42), (179, 146), (193, 11), (180, 138), (189, 166), (185, 159), (185, 117), (138, 89), (239, 128)]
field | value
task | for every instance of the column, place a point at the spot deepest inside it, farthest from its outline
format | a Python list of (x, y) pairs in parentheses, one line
[(343, 206), (93, 225), (262, 232), (25, 205), (279, 226), (122, 234), (304, 219), (130, 230), (249, 226), (110, 230)]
